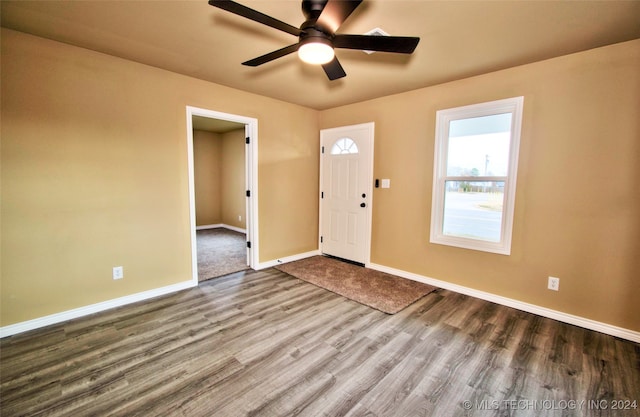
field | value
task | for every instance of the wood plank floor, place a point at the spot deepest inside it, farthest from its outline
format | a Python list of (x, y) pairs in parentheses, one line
[(267, 344)]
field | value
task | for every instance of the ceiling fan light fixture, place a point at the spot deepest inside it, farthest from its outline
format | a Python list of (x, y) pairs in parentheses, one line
[(317, 36), (317, 51)]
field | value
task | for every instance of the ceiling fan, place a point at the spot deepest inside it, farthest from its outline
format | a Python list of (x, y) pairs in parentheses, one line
[(317, 36)]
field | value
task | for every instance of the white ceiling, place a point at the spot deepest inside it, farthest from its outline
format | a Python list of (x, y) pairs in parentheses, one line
[(459, 39)]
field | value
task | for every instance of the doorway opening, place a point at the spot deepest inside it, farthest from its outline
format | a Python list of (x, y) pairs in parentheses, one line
[(222, 165)]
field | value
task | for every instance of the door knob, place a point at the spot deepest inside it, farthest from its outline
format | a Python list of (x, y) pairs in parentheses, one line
[(363, 205)]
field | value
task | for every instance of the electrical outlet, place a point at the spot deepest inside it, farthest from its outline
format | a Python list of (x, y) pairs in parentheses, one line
[(554, 284), (118, 272)]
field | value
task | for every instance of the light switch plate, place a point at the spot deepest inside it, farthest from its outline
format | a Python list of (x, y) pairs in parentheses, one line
[(385, 183), (118, 272)]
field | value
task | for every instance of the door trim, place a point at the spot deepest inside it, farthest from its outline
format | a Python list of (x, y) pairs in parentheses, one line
[(370, 126), (251, 183)]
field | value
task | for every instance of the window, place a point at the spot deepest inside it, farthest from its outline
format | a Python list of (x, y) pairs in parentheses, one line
[(344, 146), (474, 181)]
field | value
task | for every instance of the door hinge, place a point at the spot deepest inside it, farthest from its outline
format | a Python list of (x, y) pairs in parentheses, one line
[(321, 194), (323, 149), (249, 244), (247, 140), (248, 193), (320, 239)]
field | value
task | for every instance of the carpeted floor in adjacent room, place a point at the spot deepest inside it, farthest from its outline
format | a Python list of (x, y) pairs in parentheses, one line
[(220, 252)]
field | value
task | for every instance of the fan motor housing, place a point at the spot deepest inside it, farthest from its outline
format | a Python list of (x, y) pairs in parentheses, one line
[(312, 31), (312, 8)]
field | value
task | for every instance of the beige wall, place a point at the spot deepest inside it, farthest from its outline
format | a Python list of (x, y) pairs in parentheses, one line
[(207, 176), (219, 177), (94, 175), (577, 213), (233, 179)]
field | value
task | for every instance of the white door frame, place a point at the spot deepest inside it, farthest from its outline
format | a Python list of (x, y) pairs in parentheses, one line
[(369, 209), (251, 182)]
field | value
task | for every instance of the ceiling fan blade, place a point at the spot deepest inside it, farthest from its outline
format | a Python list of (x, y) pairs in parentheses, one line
[(244, 11), (398, 44), (334, 70), (271, 56), (335, 12)]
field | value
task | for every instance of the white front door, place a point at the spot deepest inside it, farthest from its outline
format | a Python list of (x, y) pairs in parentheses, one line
[(346, 177)]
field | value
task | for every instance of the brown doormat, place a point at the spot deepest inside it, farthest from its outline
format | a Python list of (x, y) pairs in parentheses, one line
[(384, 292)]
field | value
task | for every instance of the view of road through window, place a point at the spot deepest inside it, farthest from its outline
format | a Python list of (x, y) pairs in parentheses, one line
[(475, 215)]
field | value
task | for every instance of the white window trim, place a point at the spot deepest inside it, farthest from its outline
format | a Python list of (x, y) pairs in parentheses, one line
[(443, 119)]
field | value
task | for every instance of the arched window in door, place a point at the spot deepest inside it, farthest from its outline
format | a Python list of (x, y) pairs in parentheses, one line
[(344, 146)]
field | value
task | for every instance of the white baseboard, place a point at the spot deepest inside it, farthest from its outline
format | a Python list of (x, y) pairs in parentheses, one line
[(221, 225), (609, 329), (286, 259), (91, 309), (234, 228), (519, 305), (118, 302), (208, 226)]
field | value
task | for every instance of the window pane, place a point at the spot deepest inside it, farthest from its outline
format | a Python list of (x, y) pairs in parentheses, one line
[(479, 146), (344, 146), (473, 209), (475, 173)]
